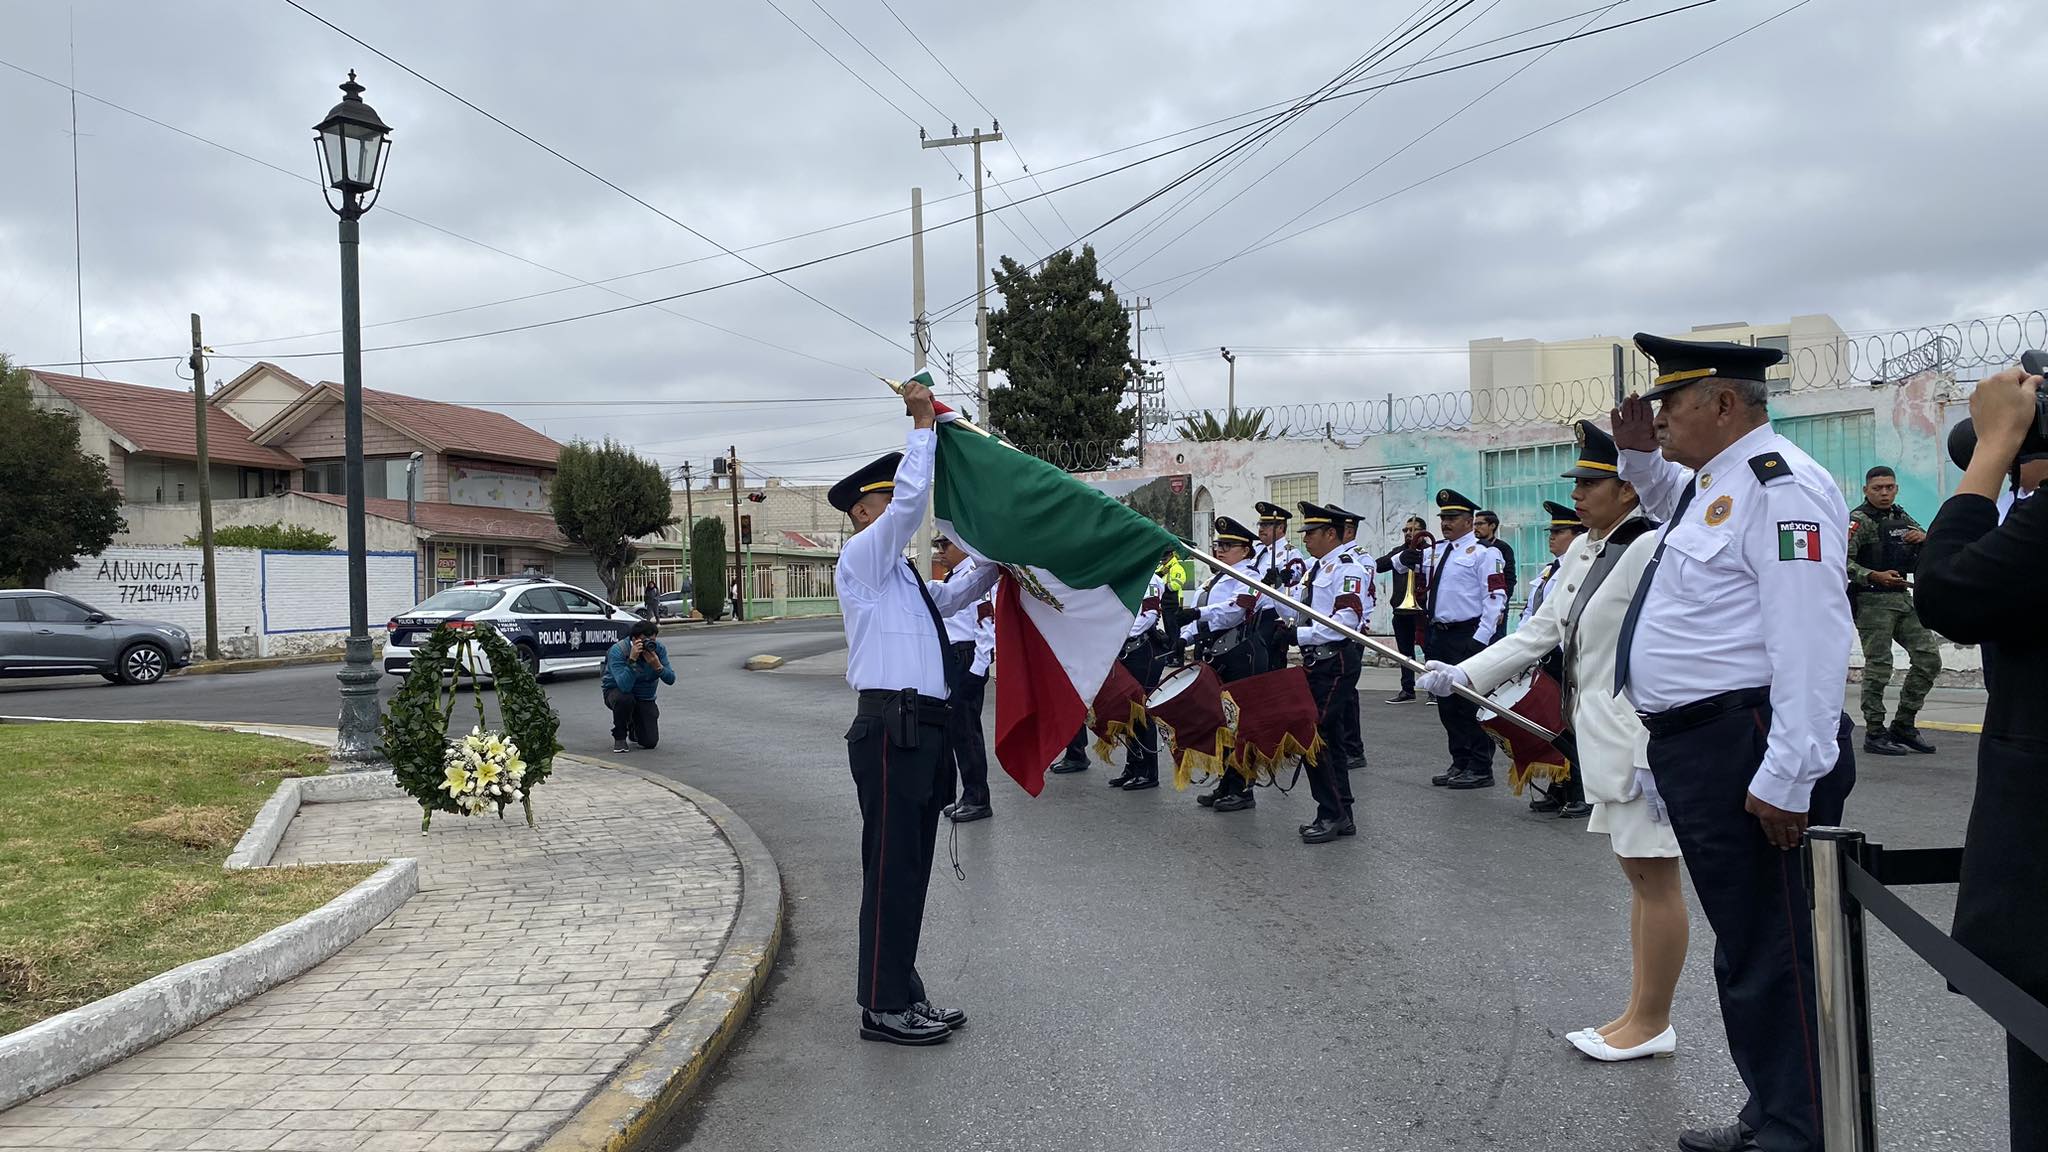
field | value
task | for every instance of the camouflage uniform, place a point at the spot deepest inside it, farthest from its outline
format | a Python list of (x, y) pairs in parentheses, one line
[(1876, 544)]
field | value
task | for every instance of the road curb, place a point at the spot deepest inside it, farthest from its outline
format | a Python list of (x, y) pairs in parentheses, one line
[(1950, 726), (632, 1106), (259, 664)]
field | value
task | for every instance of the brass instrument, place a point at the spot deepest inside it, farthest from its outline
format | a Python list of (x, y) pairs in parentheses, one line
[(1418, 583)]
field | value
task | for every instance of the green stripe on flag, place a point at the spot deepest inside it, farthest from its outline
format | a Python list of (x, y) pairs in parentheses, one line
[(1785, 544), (1017, 509)]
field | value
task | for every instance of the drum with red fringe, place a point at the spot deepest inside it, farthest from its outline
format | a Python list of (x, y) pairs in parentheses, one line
[(1188, 706), (1535, 696), (1276, 722), (1118, 708)]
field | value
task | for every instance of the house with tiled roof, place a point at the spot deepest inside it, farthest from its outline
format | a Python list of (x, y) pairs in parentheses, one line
[(477, 480)]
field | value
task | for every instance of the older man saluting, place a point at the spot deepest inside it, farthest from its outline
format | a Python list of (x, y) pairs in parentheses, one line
[(1734, 651)]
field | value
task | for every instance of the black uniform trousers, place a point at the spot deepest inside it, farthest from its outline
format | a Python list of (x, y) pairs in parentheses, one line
[(1353, 745), (1247, 659), (632, 716), (1756, 899), (901, 791), (969, 751), (1471, 749), (1329, 778), (1141, 747), (1411, 630)]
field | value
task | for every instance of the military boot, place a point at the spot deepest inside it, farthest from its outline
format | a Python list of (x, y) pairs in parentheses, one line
[(1908, 737)]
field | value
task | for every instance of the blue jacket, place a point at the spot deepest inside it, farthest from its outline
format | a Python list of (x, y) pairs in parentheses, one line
[(623, 673)]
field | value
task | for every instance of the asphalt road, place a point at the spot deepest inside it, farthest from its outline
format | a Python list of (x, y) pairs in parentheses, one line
[(1146, 974)]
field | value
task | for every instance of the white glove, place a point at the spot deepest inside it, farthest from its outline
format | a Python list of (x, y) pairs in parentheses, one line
[(1188, 632), (1647, 785), (1440, 678)]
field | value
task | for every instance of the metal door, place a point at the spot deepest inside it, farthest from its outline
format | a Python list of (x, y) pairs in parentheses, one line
[(1386, 497)]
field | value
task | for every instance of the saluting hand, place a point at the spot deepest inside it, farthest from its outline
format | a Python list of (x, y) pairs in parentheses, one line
[(1783, 829), (917, 403), (1634, 425)]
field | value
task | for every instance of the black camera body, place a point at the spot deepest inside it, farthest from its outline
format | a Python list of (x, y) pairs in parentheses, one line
[(1962, 439)]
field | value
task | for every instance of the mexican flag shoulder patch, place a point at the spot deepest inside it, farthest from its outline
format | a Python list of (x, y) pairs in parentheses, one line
[(1798, 540)]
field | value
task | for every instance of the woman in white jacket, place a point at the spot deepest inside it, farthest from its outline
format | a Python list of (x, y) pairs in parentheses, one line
[(1613, 745)]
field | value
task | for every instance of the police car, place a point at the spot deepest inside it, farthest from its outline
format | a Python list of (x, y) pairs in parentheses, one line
[(555, 627)]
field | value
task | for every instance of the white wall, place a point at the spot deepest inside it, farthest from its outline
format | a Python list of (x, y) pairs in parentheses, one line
[(268, 603), (173, 524)]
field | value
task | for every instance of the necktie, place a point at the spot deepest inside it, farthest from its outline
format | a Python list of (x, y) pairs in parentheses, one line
[(1436, 579), (1635, 603), (945, 650)]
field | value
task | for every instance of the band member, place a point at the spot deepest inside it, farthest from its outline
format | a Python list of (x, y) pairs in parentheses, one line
[(1468, 591), (1486, 526), (1342, 589), (970, 633), (1567, 799), (1406, 595), (1221, 634), (1279, 566), (1734, 651), (1144, 657), (899, 665), (1352, 553)]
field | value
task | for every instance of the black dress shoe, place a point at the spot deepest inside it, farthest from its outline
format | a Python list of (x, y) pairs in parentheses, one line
[(1322, 832), (1063, 766), (907, 1028), (1123, 778), (1402, 698), (1545, 803), (1574, 810), (1735, 1137), (949, 809), (1237, 802), (1465, 781), (1909, 739), (969, 813), (1140, 783), (952, 1018), (1443, 779), (1879, 743), (1206, 799)]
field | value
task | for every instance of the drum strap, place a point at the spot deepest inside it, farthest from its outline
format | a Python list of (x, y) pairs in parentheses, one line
[(1611, 549)]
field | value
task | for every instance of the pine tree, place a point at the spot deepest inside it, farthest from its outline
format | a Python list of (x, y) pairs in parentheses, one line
[(1062, 340)]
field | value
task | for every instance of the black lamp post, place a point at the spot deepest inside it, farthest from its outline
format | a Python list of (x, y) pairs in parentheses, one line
[(353, 145)]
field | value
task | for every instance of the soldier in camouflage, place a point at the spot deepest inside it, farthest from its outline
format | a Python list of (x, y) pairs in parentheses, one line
[(1883, 544)]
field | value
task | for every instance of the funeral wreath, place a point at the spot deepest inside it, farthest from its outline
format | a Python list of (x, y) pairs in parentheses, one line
[(487, 768)]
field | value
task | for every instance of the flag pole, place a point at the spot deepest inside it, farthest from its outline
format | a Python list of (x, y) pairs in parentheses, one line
[(1509, 714)]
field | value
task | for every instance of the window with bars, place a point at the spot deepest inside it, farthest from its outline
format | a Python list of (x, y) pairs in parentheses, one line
[(1844, 443), (1288, 491), (1517, 482)]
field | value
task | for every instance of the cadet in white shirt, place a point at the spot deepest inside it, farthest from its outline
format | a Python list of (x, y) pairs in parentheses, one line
[(1222, 635), (1467, 596), (1340, 588), (898, 662), (1734, 651), (1144, 657), (964, 635), (1354, 666), (1279, 566)]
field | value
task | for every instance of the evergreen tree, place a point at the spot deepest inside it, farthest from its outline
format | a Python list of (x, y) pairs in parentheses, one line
[(604, 498), (1063, 342), (56, 500)]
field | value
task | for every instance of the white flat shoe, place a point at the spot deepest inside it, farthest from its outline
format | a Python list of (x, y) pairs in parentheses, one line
[(1661, 1045)]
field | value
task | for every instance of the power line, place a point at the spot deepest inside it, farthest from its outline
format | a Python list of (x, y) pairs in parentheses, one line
[(898, 76), (365, 45), (1467, 162)]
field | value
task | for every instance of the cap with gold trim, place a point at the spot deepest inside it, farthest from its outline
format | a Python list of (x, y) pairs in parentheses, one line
[(1229, 531), (1451, 502), (1562, 516), (1270, 513), (879, 476), (1683, 362), (1598, 458), (1318, 516)]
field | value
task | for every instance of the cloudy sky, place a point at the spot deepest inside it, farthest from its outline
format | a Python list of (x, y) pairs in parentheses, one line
[(1871, 159)]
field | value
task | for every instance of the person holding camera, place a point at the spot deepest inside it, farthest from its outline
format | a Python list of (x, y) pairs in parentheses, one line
[(1884, 542), (1979, 583), (633, 669)]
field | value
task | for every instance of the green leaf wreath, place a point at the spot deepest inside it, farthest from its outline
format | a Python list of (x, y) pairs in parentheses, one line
[(424, 760)]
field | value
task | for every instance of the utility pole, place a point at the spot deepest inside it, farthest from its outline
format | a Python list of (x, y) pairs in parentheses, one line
[(205, 492), (732, 469), (1139, 306), (689, 526), (1231, 360), (919, 338), (976, 138)]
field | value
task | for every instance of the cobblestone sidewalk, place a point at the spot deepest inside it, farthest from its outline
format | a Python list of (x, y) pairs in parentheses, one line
[(530, 967)]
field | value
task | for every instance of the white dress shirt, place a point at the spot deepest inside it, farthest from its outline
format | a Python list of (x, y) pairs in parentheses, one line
[(1148, 610), (1472, 584), (1226, 602), (1282, 555), (1539, 588), (984, 636), (961, 626), (1750, 592), (1339, 587), (891, 643)]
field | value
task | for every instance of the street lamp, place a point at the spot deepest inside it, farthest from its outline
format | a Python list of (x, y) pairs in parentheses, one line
[(1231, 359), (353, 145)]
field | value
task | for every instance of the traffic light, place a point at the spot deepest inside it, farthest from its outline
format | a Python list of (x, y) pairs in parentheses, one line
[(746, 528)]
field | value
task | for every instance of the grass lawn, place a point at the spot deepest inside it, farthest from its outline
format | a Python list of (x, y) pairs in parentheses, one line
[(111, 842)]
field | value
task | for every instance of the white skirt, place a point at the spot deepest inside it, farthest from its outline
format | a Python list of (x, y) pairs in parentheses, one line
[(1635, 835)]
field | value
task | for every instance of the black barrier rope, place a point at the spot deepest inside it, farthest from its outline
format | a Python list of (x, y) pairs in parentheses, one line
[(2011, 1008)]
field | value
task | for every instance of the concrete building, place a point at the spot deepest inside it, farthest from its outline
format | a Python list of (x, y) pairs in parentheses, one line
[(275, 450)]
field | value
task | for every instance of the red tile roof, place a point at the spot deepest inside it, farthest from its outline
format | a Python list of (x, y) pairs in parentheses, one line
[(463, 519), (461, 430), (160, 422)]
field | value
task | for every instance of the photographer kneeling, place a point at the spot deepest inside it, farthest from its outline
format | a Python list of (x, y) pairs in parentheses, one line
[(1980, 583), (633, 669)]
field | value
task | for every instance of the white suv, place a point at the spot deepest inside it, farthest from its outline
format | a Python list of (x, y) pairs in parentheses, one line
[(555, 627)]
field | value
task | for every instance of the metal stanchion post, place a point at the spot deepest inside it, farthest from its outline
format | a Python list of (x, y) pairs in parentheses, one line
[(1841, 1002)]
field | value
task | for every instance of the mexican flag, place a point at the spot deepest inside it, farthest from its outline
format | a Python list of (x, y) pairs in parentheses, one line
[(1798, 540), (1077, 564)]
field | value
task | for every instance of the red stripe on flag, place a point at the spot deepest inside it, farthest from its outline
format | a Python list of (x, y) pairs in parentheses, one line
[(1037, 711), (1813, 545)]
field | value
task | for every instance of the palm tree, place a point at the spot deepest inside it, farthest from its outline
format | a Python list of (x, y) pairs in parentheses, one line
[(1249, 424)]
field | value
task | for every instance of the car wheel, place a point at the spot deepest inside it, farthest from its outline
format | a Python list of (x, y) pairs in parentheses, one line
[(143, 664), (529, 658)]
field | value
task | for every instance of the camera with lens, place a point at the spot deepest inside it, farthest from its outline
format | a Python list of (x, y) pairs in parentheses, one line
[(1962, 439)]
